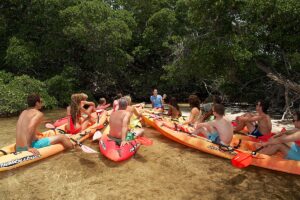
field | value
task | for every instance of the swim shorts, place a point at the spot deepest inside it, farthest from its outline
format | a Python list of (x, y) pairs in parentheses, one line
[(214, 137), (44, 142), (294, 153), (256, 132), (130, 136)]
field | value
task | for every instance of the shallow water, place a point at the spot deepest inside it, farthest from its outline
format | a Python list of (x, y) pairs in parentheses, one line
[(165, 170)]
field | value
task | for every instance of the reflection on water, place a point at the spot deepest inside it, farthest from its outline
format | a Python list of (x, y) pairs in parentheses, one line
[(165, 170)]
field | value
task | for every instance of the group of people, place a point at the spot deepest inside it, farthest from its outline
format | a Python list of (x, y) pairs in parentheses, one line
[(81, 114), (221, 131)]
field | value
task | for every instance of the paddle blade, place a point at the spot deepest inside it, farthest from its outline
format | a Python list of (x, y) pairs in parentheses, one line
[(97, 135), (87, 149), (144, 141), (241, 160), (49, 126)]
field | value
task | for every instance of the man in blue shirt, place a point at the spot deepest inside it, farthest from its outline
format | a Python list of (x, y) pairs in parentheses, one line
[(156, 100)]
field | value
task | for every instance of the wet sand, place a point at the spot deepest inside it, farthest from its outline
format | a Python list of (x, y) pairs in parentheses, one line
[(165, 170)]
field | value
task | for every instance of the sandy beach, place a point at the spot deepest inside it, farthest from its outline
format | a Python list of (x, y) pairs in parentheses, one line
[(165, 170)]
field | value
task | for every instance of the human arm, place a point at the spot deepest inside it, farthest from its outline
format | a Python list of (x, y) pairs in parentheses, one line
[(83, 103), (125, 124), (32, 129), (137, 112), (116, 105), (249, 118), (68, 110), (206, 125), (161, 101), (283, 139), (192, 118), (89, 110), (206, 116), (152, 101)]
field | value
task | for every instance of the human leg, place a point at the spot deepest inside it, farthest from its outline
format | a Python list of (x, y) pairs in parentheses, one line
[(62, 139), (138, 131), (273, 149)]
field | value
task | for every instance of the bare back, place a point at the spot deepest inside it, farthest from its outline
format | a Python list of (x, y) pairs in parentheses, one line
[(224, 129), (27, 124), (264, 124), (117, 121)]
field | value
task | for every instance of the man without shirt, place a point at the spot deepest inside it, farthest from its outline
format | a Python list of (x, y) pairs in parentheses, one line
[(28, 122)]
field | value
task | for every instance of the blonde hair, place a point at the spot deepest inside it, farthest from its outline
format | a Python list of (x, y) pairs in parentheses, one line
[(128, 99), (84, 96), (75, 105)]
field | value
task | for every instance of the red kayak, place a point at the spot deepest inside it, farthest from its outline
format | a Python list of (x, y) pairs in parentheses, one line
[(61, 121), (114, 152)]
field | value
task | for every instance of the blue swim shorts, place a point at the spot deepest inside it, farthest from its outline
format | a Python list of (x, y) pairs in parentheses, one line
[(294, 153), (214, 137), (44, 142), (256, 132)]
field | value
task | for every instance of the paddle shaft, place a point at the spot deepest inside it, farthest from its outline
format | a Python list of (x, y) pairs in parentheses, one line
[(257, 150), (76, 142)]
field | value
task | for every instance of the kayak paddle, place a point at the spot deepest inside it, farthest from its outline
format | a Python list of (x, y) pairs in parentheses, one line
[(144, 141), (242, 159), (84, 148), (97, 135), (52, 127)]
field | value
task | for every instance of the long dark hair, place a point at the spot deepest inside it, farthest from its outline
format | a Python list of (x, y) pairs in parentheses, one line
[(194, 101), (75, 105), (173, 102)]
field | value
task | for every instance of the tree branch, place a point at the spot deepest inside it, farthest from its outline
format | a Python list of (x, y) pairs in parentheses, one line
[(278, 78)]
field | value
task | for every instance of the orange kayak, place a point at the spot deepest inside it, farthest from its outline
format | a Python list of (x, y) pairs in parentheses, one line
[(13, 160), (275, 162)]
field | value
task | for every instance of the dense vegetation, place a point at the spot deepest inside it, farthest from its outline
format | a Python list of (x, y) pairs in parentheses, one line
[(242, 50)]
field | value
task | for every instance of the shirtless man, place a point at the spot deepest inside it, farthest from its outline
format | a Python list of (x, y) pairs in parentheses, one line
[(219, 130), (258, 125), (119, 124), (290, 151), (27, 124)]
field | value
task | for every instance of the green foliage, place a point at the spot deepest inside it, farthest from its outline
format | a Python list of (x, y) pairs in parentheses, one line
[(179, 46), (20, 55), (61, 88), (14, 91)]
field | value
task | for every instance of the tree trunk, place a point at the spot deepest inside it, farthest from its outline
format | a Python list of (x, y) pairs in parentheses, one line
[(278, 78)]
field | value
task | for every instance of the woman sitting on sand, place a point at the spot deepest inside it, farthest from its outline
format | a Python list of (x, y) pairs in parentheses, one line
[(76, 122), (174, 110), (195, 110), (278, 142)]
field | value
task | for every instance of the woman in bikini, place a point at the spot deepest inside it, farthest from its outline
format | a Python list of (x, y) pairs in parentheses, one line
[(195, 110), (76, 122)]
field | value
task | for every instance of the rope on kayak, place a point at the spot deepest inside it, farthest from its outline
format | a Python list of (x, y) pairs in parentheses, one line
[(134, 149), (228, 148)]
